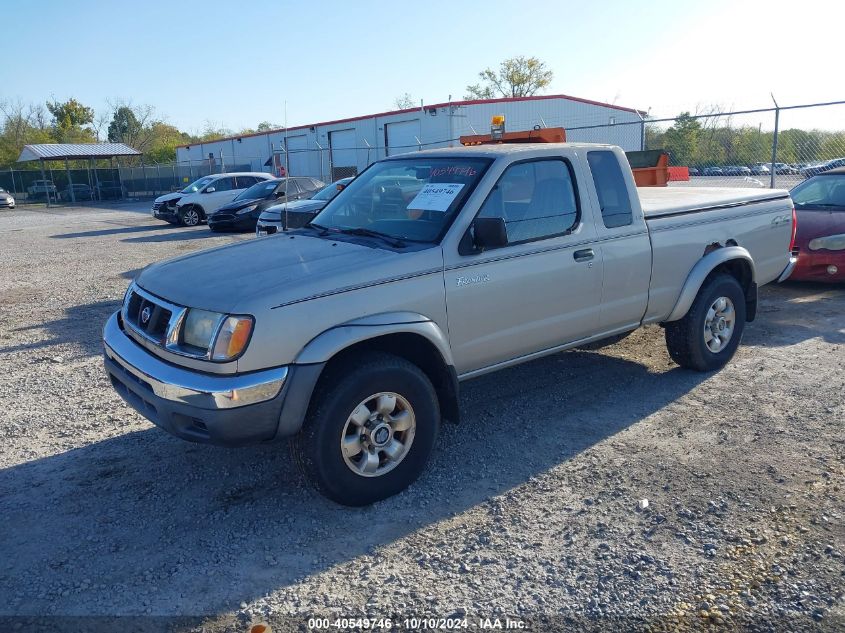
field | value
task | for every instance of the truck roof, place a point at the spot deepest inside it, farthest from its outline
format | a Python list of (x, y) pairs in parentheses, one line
[(493, 151)]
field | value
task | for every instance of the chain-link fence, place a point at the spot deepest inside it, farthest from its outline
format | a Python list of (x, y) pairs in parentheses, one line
[(768, 147), (772, 147), (122, 182)]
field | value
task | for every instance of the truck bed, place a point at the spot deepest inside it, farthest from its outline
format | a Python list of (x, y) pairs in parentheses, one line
[(666, 201)]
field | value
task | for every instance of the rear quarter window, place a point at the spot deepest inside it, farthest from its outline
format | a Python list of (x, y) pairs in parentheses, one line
[(614, 199)]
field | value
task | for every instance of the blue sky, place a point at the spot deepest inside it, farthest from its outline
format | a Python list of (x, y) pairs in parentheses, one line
[(236, 64)]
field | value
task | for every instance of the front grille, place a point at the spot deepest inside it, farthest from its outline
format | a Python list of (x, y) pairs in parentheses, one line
[(157, 205), (270, 229), (148, 317)]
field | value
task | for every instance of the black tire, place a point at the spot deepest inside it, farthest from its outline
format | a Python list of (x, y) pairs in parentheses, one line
[(685, 338), (347, 383), (191, 215)]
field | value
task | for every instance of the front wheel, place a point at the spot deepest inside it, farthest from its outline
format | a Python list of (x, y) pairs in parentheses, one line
[(708, 335), (370, 429), (190, 216)]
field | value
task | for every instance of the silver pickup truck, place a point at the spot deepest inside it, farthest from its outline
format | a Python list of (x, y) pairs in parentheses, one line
[(351, 335)]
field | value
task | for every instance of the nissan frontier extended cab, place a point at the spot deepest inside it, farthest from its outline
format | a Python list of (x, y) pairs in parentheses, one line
[(352, 335)]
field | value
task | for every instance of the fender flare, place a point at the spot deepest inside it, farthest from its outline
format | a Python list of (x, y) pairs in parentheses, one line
[(324, 346), (703, 267)]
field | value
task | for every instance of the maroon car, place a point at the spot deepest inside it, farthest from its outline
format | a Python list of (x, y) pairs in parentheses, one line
[(820, 238)]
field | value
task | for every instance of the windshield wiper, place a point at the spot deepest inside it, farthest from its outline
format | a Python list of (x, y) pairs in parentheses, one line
[(317, 227), (819, 205), (393, 241)]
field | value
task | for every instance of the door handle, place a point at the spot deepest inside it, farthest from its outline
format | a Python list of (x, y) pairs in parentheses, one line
[(585, 255)]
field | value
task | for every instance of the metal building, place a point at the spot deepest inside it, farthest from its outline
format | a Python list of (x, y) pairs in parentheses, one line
[(335, 149)]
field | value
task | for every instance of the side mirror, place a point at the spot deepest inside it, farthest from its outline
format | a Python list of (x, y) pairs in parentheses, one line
[(489, 233), (209, 190), (280, 194)]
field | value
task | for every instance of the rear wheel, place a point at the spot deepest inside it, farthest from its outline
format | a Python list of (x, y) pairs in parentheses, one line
[(370, 429), (190, 216), (707, 337)]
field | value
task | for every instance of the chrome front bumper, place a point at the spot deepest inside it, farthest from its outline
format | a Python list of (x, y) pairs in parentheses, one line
[(789, 268), (218, 409)]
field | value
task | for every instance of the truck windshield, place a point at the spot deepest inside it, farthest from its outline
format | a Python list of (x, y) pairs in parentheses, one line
[(411, 199)]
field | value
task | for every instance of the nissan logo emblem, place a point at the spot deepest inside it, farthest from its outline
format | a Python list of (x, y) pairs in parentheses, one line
[(145, 315)]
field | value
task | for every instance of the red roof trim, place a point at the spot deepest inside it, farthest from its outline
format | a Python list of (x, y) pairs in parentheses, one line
[(425, 107)]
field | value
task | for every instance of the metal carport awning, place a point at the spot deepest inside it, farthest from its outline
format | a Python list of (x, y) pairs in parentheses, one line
[(73, 151)]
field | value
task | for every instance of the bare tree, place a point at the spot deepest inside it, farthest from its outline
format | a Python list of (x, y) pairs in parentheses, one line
[(404, 102), (101, 125), (516, 77)]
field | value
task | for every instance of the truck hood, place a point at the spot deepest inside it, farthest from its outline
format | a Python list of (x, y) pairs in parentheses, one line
[(257, 274)]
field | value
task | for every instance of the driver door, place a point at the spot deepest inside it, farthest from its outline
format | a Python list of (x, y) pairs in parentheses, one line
[(543, 288)]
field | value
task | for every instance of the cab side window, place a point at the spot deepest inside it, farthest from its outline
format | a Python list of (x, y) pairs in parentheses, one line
[(536, 199), (610, 184)]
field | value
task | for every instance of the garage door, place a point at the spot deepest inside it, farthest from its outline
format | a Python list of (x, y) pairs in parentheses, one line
[(297, 147), (402, 137), (343, 153)]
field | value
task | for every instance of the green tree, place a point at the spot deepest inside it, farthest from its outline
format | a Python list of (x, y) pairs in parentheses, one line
[(517, 77), (266, 126), (212, 132), (124, 127), (654, 136), (131, 124), (681, 140), (71, 112), (164, 139), (70, 119)]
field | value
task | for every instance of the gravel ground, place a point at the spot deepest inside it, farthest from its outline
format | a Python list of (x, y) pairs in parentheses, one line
[(530, 509)]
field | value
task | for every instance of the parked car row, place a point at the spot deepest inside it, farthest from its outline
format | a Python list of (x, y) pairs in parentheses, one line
[(103, 190), (757, 169), (814, 169), (298, 213), (808, 170), (247, 201)]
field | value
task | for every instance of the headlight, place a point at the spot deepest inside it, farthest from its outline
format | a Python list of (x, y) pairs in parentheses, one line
[(245, 210), (830, 243), (222, 337), (232, 338), (199, 328)]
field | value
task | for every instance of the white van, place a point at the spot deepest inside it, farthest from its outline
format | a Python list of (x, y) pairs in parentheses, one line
[(201, 198)]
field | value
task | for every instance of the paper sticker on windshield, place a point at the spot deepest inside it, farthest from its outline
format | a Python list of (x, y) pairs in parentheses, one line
[(436, 197)]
